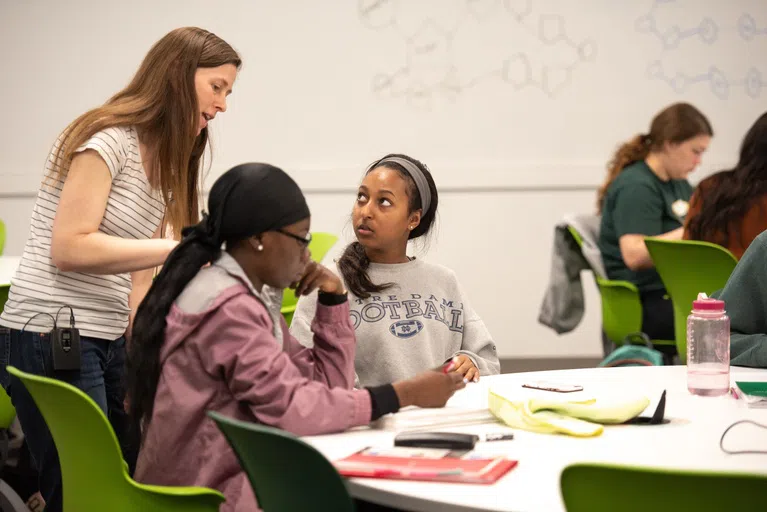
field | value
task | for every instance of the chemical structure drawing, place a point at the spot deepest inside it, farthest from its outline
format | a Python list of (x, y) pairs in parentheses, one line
[(748, 29), (708, 32), (753, 82), (432, 67)]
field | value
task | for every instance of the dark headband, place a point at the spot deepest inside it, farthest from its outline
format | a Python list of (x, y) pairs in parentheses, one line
[(418, 177)]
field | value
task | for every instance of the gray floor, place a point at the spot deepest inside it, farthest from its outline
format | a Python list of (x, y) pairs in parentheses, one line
[(537, 364)]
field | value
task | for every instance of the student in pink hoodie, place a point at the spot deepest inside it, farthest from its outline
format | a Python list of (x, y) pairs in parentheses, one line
[(211, 337)]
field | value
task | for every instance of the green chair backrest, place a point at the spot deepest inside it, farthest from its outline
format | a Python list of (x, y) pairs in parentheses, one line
[(621, 306), (621, 309), (7, 412), (286, 473), (9, 499), (576, 235), (319, 247), (94, 476), (2, 237), (608, 488), (686, 268), (4, 289)]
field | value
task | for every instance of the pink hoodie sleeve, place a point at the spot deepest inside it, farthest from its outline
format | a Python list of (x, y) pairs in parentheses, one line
[(237, 345), (331, 360)]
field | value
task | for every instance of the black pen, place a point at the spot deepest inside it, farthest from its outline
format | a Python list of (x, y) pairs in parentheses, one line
[(499, 436)]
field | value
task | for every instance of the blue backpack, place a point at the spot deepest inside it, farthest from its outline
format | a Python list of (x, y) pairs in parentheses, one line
[(637, 350)]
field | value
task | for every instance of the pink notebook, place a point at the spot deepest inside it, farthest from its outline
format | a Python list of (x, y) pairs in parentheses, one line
[(426, 464)]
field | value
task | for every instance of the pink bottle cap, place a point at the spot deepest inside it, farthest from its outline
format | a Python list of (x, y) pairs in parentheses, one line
[(708, 305)]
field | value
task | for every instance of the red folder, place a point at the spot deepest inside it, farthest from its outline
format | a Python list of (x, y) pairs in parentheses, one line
[(424, 464)]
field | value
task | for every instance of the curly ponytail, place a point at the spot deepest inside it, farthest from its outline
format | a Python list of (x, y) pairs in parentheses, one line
[(629, 152)]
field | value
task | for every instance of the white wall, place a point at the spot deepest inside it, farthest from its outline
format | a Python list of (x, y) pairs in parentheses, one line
[(515, 105)]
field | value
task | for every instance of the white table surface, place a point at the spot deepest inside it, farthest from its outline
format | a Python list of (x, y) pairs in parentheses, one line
[(8, 265), (689, 441)]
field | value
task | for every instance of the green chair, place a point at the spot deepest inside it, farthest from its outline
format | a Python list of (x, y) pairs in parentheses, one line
[(286, 473), (607, 488), (686, 268), (94, 476), (319, 247), (10, 501), (621, 306), (2, 237), (4, 289), (7, 412)]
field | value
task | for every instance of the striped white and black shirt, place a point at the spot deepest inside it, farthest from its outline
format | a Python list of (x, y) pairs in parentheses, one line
[(100, 302)]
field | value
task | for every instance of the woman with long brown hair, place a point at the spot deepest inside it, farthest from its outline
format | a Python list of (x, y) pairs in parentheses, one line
[(646, 193), (729, 208), (115, 179)]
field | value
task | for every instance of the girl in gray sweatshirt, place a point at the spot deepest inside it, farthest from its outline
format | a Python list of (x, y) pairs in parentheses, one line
[(408, 315)]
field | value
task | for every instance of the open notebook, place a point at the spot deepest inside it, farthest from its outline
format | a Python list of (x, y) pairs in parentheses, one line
[(415, 418)]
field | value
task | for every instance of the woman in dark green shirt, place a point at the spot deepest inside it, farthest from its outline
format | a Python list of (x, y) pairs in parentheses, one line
[(646, 194)]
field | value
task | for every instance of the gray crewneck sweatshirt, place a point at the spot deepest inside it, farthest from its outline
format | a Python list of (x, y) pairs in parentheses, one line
[(419, 323)]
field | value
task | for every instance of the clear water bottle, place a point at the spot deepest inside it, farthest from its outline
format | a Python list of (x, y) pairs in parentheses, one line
[(708, 348)]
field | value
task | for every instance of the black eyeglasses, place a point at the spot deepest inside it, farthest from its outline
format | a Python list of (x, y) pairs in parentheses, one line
[(305, 241)]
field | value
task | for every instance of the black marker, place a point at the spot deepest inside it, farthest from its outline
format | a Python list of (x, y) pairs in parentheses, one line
[(499, 436)]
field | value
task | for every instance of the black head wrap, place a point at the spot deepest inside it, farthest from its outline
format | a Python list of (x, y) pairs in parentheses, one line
[(247, 200)]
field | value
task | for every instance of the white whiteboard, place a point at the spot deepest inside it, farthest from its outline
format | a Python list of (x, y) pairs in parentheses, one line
[(486, 92)]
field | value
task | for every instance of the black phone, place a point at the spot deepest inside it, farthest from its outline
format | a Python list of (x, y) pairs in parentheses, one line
[(447, 440)]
